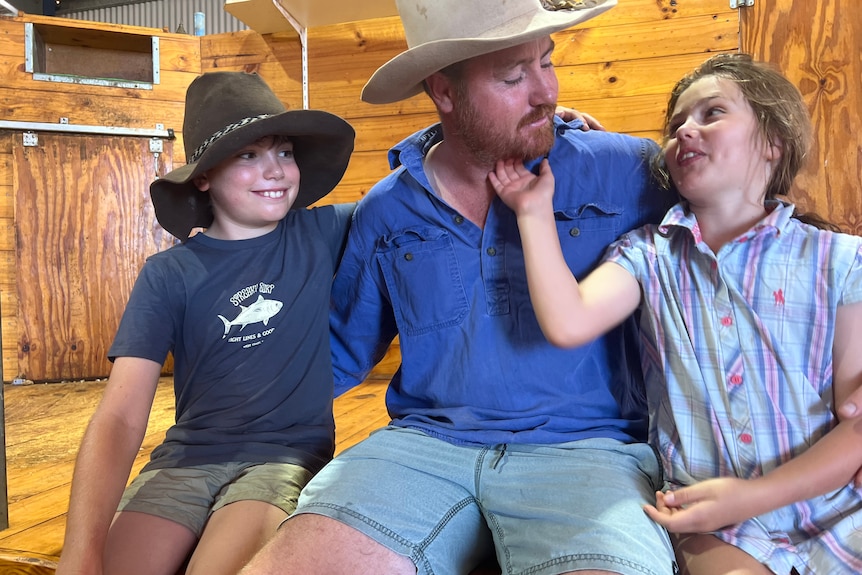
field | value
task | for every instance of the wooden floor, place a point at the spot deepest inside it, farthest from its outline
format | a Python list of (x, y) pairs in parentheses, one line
[(44, 424)]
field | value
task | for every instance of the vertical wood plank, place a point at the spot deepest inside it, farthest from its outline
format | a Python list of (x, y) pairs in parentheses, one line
[(818, 46), (84, 226)]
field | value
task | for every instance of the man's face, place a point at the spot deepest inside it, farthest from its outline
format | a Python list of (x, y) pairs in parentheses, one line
[(504, 103)]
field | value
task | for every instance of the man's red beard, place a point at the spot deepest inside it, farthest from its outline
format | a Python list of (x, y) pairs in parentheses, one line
[(488, 142)]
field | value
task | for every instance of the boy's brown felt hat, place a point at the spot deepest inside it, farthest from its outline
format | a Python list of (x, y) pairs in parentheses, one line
[(228, 110)]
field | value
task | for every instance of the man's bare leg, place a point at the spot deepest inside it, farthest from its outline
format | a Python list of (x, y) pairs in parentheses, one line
[(316, 545)]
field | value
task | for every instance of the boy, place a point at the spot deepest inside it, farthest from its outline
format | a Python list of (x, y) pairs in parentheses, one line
[(243, 308)]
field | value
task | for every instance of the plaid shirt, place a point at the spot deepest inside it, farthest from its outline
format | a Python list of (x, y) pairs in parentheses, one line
[(737, 352)]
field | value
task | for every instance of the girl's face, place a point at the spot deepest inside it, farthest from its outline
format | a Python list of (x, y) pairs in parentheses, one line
[(715, 149), (252, 190)]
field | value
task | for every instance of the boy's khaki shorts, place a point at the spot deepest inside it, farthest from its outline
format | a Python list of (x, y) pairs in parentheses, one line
[(189, 495)]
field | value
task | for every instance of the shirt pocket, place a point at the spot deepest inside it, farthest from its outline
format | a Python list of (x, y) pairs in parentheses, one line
[(586, 231), (423, 279)]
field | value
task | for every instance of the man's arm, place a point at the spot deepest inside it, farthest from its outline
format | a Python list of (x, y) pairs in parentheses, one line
[(829, 464), (108, 449), (361, 320)]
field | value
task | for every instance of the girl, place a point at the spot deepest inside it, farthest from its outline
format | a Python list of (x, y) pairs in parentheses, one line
[(748, 317)]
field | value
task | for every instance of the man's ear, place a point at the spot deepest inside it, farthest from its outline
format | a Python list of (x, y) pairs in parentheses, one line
[(440, 89), (201, 182)]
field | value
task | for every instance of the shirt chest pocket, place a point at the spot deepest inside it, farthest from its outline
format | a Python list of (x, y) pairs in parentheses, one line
[(423, 278), (585, 232)]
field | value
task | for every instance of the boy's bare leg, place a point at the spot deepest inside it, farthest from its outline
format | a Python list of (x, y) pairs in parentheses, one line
[(315, 545), (233, 535), (143, 544), (703, 554)]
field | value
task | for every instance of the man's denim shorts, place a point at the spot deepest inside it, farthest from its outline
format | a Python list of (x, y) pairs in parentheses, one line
[(542, 509)]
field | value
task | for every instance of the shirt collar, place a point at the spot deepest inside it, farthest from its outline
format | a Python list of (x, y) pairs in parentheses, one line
[(777, 219)]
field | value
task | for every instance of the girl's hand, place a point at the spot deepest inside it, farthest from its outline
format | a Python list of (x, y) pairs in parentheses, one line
[(520, 189), (705, 506)]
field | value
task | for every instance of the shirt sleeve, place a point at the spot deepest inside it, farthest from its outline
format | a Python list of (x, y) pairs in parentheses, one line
[(362, 323), (147, 328), (334, 222), (852, 292)]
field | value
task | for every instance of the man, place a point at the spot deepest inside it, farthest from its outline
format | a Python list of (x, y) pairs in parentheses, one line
[(500, 444)]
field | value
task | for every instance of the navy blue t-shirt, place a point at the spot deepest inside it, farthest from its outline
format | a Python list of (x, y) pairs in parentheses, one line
[(247, 323)]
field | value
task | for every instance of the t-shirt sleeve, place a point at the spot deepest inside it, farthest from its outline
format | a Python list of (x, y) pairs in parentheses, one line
[(334, 223), (147, 328)]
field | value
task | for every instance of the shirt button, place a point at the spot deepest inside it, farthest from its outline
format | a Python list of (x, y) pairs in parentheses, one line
[(735, 379), (459, 220), (491, 252), (726, 320), (745, 438), (408, 256), (575, 232)]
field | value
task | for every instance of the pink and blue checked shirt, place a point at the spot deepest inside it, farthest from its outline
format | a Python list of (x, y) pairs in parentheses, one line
[(737, 353)]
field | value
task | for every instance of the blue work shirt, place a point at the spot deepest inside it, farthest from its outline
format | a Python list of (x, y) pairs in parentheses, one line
[(475, 366)]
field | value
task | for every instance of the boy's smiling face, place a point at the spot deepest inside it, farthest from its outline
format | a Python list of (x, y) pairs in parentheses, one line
[(252, 190)]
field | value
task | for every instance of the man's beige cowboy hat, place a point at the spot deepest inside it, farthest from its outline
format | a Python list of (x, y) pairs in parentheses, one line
[(228, 110), (442, 32)]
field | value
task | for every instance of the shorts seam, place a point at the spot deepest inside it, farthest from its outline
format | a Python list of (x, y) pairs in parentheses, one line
[(612, 560)]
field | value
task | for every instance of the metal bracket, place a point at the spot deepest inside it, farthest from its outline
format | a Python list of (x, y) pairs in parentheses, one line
[(741, 3), (303, 41), (31, 139), (156, 146)]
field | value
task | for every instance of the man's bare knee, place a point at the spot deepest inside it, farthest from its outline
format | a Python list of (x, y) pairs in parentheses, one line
[(311, 544)]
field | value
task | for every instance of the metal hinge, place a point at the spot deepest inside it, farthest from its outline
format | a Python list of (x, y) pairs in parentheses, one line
[(741, 3)]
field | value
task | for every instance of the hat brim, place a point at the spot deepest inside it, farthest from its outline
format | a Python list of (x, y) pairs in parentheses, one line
[(323, 143), (402, 76)]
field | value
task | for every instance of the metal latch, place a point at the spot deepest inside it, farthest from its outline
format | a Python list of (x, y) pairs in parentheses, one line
[(741, 3), (156, 146)]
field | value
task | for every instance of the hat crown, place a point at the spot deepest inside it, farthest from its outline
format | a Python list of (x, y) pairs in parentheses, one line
[(433, 20), (440, 33), (217, 101)]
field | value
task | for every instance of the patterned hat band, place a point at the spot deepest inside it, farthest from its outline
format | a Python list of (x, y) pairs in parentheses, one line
[(223, 132)]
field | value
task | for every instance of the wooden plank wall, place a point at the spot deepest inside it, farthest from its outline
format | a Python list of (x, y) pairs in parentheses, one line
[(23, 99), (818, 45)]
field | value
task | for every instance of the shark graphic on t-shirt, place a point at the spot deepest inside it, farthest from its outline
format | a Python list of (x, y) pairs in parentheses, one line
[(260, 311)]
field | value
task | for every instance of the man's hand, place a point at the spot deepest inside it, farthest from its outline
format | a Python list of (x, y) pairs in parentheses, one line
[(705, 506), (570, 114)]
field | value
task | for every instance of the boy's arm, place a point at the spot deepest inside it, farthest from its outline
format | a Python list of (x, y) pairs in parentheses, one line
[(829, 464), (569, 313), (108, 449)]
